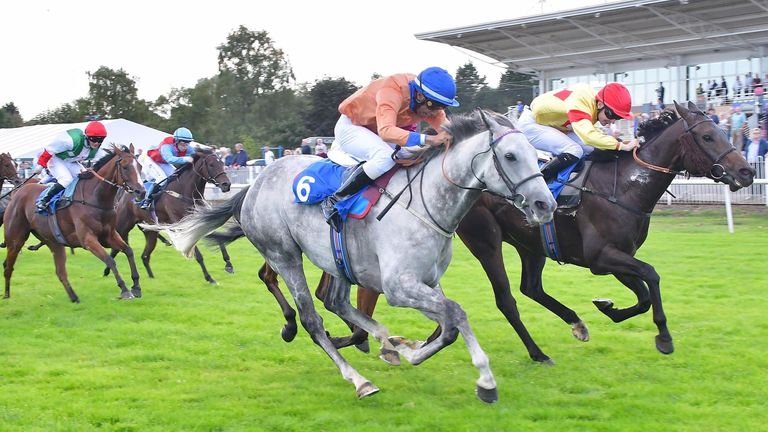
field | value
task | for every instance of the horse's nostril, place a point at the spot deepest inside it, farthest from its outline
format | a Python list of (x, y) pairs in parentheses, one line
[(747, 172), (542, 205)]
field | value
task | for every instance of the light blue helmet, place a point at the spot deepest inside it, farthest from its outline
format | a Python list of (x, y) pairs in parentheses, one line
[(437, 85), (183, 134)]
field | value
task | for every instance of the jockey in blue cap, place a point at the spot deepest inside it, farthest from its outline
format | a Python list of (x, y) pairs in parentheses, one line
[(161, 161), (378, 117)]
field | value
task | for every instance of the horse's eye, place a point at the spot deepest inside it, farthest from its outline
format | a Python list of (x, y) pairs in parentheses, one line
[(707, 137), (510, 157)]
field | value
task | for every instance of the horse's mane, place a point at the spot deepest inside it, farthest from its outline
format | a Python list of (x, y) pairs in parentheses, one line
[(99, 163), (652, 128), (464, 125)]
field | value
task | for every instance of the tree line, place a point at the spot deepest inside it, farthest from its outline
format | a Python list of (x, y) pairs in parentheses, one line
[(253, 99)]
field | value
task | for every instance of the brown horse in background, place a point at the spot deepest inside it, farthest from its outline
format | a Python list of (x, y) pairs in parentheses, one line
[(184, 190), (88, 222), (8, 171), (602, 234)]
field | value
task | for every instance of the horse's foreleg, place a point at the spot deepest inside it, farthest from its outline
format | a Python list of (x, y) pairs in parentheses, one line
[(225, 256), (366, 302), (117, 244), (60, 259), (91, 243), (453, 320), (113, 253), (150, 241), (269, 277), (12, 247), (531, 286), (293, 275), (336, 299), (635, 275), (201, 262)]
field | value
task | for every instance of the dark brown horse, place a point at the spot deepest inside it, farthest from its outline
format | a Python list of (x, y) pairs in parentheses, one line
[(184, 190), (602, 234), (89, 222)]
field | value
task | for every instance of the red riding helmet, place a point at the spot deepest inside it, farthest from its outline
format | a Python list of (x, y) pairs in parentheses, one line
[(617, 98), (95, 129)]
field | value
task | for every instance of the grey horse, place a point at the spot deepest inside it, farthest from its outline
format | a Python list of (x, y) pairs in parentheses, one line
[(402, 256)]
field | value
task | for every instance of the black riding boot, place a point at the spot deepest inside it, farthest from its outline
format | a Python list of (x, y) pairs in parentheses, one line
[(553, 167), (350, 186), (52, 190)]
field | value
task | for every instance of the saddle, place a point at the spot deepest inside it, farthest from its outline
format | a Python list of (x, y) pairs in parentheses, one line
[(61, 200), (323, 178)]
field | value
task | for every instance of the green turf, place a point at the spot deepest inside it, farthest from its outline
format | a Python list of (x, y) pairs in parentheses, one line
[(194, 357)]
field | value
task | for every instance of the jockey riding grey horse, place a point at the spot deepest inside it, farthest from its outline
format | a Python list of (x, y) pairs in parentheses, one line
[(402, 256)]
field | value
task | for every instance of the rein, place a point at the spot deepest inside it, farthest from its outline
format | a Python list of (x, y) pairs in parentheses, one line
[(207, 178), (116, 184)]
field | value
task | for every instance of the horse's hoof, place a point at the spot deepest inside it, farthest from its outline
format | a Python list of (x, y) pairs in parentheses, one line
[(229, 269), (288, 332), (364, 346), (400, 340), (75, 300), (136, 292), (212, 281), (603, 304), (543, 359), (126, 295), (390, 356), (487, 395), (366, 389), (664, 345), (106, 272), (579, 330)]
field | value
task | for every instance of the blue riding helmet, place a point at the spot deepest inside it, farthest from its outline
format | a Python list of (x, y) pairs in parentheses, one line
[(437, 85), (183, 134)]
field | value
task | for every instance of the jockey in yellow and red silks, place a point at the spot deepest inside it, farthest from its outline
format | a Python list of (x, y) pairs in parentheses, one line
[(562, 122)]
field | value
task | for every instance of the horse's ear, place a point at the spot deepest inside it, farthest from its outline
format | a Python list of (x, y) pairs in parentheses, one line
[(130, 147), (692, 107), (683, 111)]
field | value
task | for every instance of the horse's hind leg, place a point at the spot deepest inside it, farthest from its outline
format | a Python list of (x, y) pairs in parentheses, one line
[(199, 259), (60, 259), (225, 256), (150, 241), (293, 275), (531, 286), (366, 303), (269, 277)]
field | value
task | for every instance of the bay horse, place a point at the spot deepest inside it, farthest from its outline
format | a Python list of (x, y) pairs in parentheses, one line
[(184, 190), (405, 254), (8, 172), (88, 222), (602, 234)]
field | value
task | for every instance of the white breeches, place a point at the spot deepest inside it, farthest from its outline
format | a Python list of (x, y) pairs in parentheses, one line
[(363, 145), (64, 171), (154, 171), (550, 139)]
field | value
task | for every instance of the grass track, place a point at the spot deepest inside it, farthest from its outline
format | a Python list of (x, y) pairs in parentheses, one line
[(189, 356)]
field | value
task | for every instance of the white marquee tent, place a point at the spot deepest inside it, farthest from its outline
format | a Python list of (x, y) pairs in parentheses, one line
[(28, 141)]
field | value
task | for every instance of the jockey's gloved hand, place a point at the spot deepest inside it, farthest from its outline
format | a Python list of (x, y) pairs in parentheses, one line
[(83, 175), (188, 159), (628, 145)]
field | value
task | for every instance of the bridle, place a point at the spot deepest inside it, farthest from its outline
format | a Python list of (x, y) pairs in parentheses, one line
[(120, 182), (207, 177), (687, 136), (516, 197)]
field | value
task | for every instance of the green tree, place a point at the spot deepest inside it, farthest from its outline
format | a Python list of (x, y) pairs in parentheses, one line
[(324, 99), (113, 94), (10, 116), (250, 65), (66, 113), (515, 86), (468, 85)]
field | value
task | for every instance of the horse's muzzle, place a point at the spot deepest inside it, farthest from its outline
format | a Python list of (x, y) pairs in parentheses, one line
[(225, 187)]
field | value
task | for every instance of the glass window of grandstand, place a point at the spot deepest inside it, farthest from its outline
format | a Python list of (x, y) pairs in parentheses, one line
[(716, 83), (645, 86)]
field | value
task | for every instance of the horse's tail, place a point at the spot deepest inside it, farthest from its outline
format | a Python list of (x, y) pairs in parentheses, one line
[(232, 233), (190, 229)]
